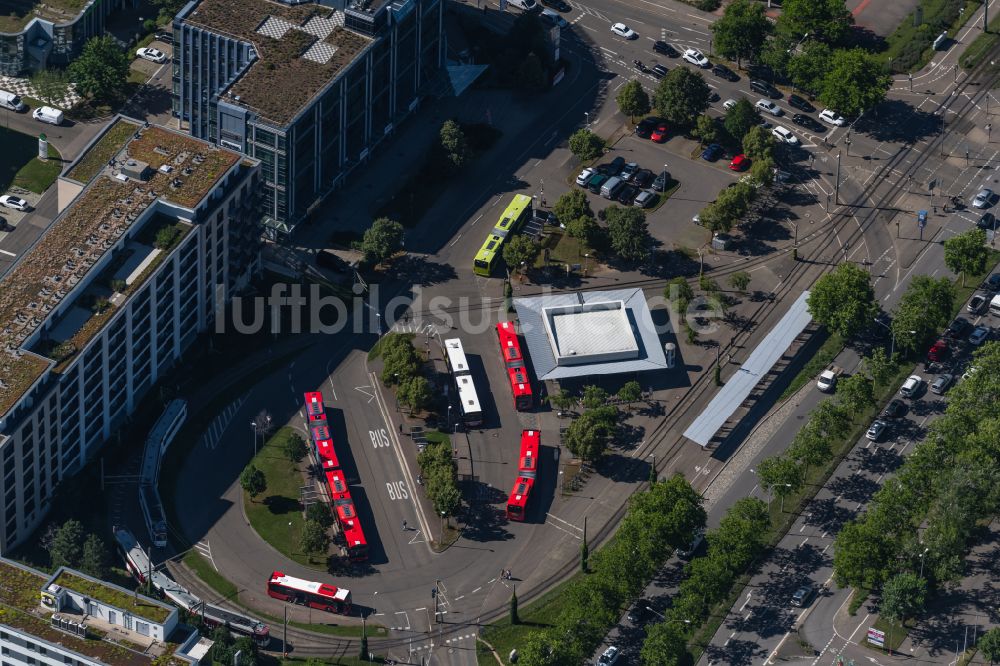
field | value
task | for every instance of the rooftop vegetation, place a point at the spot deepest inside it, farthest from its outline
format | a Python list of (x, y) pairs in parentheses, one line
[(100, 153), (113, 596)]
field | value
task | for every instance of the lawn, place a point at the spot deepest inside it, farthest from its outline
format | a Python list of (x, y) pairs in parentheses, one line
[(894, 634), (823, 357), (37, 175), (207, 573), (910, 47), (19, 151), (981, 45), (563, 249), (504, 636), (276, 514)]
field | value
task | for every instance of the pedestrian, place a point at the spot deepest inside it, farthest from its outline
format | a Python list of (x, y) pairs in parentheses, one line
[(400, 428), (404, 525)]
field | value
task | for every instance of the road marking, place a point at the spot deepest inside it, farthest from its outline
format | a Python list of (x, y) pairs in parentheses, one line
[(749, 594), (361, 389), (9, 254), (204, 549), (580, 529), (479, 588)]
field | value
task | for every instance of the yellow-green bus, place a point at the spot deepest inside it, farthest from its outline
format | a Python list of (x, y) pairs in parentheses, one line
[(513, 217)]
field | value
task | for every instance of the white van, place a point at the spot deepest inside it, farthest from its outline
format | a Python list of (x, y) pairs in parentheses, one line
[(524, 5), (9, 100), (612, 187), (46, 114), (995, 306)]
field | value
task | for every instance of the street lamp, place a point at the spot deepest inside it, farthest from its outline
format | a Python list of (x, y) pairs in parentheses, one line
[(587, 114), (892, 349), (663, 617), (449, 417), (253, 433), (922, 561)]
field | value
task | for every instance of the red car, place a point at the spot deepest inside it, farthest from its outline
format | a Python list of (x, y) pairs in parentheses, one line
[(740, 163), (938, 351), (659, 134)]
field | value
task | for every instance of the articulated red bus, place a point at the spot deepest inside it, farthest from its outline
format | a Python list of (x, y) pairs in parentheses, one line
[(327, 456), (319, 432), (308, 593), (527, 469), (517, 371), (347, 516), (315, 412)]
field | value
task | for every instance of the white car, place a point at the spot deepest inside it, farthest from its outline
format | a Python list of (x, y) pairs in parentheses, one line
[(584, 177), (911, 387), (153, 55), (695, 57), (832, 117), (623, 30), (983, 199), (784, 135), (11, 201), (770, 107), (728, 104), (875, 431), (609, 657)]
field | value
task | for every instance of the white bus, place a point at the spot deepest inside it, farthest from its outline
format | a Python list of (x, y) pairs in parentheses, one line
[(468, 400)]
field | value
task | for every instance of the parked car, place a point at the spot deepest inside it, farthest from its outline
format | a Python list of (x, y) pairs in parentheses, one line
[(740, 163), (666, 49), (977, 304), (941, 383), (637, 613), (979, 335), (623, 30), (628, 171), (728, 104), (644, 199), (911, 387), (769, 106), (659, 134), (938, 351), (10, 201), (152, 55), (832, 117), (808, 122), (712, 152), (627, 195), (558, 5), (164, 36), (987, 221), (643, 177), (646, 127), (894, 409), (803, 595), (659, 71), (585, 177), (958, 328), (614, 167), (660, 182), (47, 114), (992, 282), (609, 657), (784, 135), (876, 430), (596, 182), (695, 57), (765, 88), (689, 550), (724, 72), (800, 103), (983, 199)]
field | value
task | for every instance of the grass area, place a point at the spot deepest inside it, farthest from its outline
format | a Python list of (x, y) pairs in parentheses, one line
[(107, 147), (563, 249), (436, 437), (136, 76), (661, 197), (207, 573), (276, 515), (910, 47), (858, 597), (504, 636), (823, 357), (980, 46), (118, 598), (895, 633), (37, 175)]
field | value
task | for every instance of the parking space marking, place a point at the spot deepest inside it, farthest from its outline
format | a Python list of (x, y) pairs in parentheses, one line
[(218, 425), (9, 254)]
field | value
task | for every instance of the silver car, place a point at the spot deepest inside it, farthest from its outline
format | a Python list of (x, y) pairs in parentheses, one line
[(941, 383), (980, 335), (983, 199)]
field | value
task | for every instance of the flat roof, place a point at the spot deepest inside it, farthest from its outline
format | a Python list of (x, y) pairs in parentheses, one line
[(18, 13), (81, 234), (300, 49), (609, 332), (758, 364), (137, 604)]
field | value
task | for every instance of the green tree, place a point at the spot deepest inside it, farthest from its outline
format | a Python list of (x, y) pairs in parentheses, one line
[(295, 448), (585, 228), (247, 649), (519, 252), (879, 366), (679, 292), (382, 240), (856, 393), (989, 644), (824, 20), (706, 129), (809, 447), (587, 437), (633, 100), (681, 96), (585, 146), (253, 481), (66, 548), (454, 144), (742, 31), (762, 170), (903, 597), (563, 400), (855, 82), (740, 280), (808, 68), (740, 535), (630, 392), (415, 393), (924, 309), (843, 300), (779, 475), (399, 359), (447, 498), (776, 54), (50, 85), (967, 253), (740, 118), (860, 556), (94, 559), (572, 205), (165, 237), (101, 70), (315, 540), (594, 397), (628, 232), (664, 645), (319, 513), (757, 143)]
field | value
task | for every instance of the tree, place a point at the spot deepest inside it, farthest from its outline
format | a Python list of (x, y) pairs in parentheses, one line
[(588, 435), (584, 228), (679, 292), (742, 31), (563, 400), (585, 145), (415, 392), (780, 475), (94, 560), (967, 253), (50, 84), (448, 499), (630, 392), (824, 20), (843, 300), (903, 596), (757, 142), (664, 645), (776, 54), (681, 96), (740, 280), (253, 481), (247, 649), (101, 70), (628, 232), (319, 513), (295, 447), (855, 81), (706, 129), (67, 545), (809, 447), (762, 170), (382, 240), (594, 397), (513, 608), (924, 309), (454, 144), (989, 644), (315, 540), (856, 393), (808, 68), (572, 205), (519, 252), (741, 118), (399, 359), (633, 100), (860, 556), (879, 366)]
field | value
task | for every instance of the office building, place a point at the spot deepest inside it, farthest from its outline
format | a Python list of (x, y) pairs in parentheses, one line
[(156, 231), (308, 89)]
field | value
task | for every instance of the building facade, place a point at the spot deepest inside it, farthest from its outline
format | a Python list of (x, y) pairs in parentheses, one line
[(48, 35), (131, 271), (310, 135)]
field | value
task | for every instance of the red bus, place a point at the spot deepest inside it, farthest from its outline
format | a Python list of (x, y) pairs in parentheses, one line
[(527, 469), (347, 516), (314, 408), (308, 593), (320, 432), (517, 371), (327, 456)]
